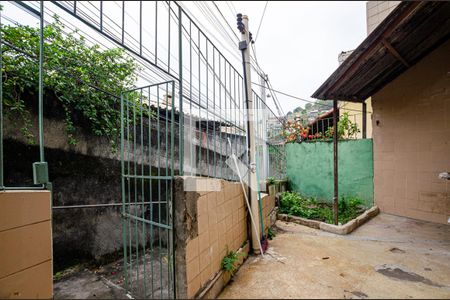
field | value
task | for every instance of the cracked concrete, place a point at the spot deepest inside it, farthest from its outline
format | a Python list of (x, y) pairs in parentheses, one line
[(388, 257)]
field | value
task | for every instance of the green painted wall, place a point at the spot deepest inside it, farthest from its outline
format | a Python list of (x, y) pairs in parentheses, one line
[(310, 169)]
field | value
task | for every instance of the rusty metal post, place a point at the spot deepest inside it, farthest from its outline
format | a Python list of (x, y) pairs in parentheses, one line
[(335, 162), (364, 120)]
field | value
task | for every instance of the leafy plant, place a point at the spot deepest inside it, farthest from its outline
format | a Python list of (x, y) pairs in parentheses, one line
[(346, 129), (270, 180), (293, 203), (270, 234), (85, 80), (229, 262)]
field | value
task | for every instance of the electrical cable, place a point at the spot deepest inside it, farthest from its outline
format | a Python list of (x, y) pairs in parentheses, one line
[(225, 20), (260, 22), (303, 99)]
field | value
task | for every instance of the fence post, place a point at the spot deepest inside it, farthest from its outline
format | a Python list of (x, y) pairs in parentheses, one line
[(1, 104), (180, 75), (335, 163)]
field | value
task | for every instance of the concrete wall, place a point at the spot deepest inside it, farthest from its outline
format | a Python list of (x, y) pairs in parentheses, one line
[(89, 173), (377, 11), (207, 224), (25, 245), (310, 169), (412, 140), (268, 209)]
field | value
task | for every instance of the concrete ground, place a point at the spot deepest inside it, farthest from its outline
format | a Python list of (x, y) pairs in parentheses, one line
[(388, 257)]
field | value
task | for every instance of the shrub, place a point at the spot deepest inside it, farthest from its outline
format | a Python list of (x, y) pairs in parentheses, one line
[(71, 69), (294, 204)]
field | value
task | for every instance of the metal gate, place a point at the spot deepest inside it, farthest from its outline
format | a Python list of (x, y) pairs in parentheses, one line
[(147, 160)]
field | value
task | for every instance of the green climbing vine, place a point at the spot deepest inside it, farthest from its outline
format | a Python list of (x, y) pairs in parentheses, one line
[(75, 73)]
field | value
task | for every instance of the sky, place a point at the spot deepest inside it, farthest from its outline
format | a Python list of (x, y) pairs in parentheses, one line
[(299, 41)]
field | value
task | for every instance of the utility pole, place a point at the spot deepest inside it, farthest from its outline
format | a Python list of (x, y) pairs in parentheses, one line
[(244, 47)]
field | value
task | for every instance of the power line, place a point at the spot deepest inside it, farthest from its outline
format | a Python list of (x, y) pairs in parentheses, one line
[(233, 11), (303, 99), (260, 22), (226, 20)]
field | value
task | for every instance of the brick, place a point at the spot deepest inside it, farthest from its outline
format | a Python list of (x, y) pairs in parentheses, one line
[(242, 201), (202, 205), (203, 241), (205, 275), (193, 287), (241, 214), (202, 223), (205, 259), (213, 233), (228, 207), (235, 217), (23, 247), (192, 269), (230, 239), (192, 249), (221, 228), (221, 213), (229, 222), (215, 256), (20, 208), (212, 218), (220, 198), (212, 201), (31, 283)]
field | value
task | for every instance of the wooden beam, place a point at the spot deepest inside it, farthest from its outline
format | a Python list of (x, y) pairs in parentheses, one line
[(373, 46), (364, 120), (394, 52)]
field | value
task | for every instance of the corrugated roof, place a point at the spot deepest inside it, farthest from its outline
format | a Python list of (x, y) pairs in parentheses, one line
[(409, 32)]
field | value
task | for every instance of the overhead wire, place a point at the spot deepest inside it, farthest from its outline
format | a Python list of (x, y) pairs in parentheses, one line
[(220, 12), (303, 99), (233, 11), (261, 21)]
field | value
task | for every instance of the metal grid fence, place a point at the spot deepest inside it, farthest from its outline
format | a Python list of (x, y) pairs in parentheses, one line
[(195, 103)]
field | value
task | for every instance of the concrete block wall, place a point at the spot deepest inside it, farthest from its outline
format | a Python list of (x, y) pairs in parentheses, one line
[(210, 218), (25, 245), (412, 140), (268, 206)]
